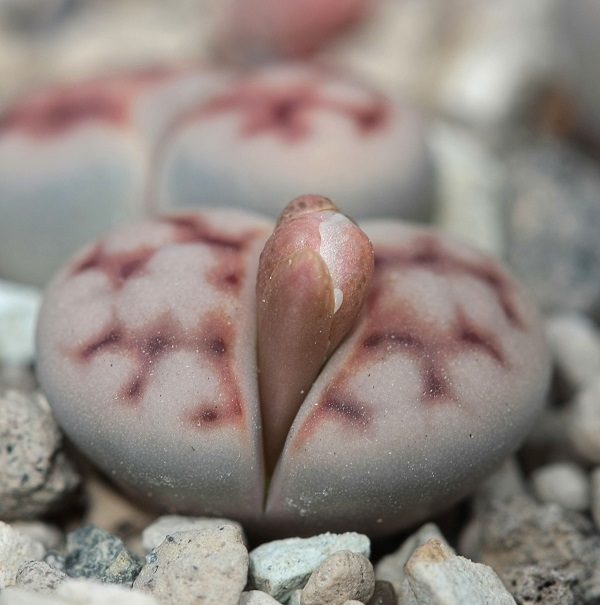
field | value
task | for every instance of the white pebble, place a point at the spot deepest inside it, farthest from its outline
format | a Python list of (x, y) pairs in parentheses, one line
[(470, 188), (281, 566), (575, 344), (15, 549), (257, 597), (155, 533), (563, 483), (49, 535), (439, 577), (197, 566), (79, 592), (343, 576), (19, 306), (391, 567), (584, 421)]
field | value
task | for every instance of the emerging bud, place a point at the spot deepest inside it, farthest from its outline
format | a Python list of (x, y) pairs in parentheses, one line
[(313, 276)]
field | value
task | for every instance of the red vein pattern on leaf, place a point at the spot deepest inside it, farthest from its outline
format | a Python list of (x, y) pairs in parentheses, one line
[(285, 111), (213, 341), (227, 274), (394, 327), (427, 252), (55, 111), (117, 266)]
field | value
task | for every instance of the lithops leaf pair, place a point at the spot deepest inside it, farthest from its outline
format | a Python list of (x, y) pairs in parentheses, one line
[(115, 149), (215, 366)]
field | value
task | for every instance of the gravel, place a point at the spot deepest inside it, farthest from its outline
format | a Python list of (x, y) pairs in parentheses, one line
[(531, 532)]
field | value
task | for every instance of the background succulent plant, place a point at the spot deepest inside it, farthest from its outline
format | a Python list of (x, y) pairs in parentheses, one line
[(102, 153)]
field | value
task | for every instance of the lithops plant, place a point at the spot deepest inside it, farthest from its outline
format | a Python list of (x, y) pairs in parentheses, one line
[(255, 30), (115, 149), (147, 351)]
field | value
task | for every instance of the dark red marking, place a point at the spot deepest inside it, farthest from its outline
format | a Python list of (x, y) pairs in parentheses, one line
[(204, 416), (109, 340), (429, 252), (228, 273), (117, 266), (391, 326), (213, 342), (285, 111), (218, 336), (57, 110), (346, 408), (192, 229)]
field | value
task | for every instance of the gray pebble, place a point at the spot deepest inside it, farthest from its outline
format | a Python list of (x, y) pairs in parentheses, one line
[(281, 566), (343, 576), (55, 559), (539, 584), (522, 533), (564, 483), (595, 495), (35, 476), (92, 552), (155, 533), (15, 549), (197, 566), (583, 426), (390, 568), (574, 342), (553, 225), (439, 577), (38, 576)]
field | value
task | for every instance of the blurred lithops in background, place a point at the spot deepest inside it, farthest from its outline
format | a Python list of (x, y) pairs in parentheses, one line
[(77, 160)]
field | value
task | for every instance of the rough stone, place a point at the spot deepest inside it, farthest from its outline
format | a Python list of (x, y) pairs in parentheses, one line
[(207, 566), (35, 475), (79, 592), (564, 483), (38, 576), (155, 534), (437, 576), (532, 584), (574, 341), (281, 566), (391, 567), (95, 553), (553, 240), (343, 576), (523, 533), (15, 549)]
